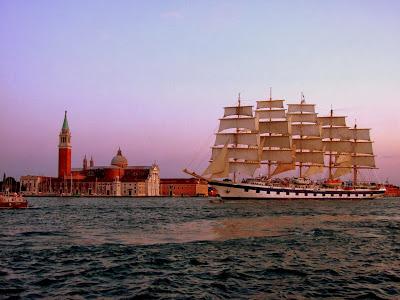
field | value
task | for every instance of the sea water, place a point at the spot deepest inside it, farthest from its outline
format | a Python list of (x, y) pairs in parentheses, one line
[(182, 248)]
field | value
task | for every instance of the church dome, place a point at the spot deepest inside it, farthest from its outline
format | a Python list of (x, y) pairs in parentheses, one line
[(119, 160)]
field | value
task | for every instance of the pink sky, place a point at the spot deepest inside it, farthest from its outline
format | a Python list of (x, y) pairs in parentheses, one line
[(152, 78)]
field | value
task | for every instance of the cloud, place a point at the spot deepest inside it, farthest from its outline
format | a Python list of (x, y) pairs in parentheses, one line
[(172, 14)]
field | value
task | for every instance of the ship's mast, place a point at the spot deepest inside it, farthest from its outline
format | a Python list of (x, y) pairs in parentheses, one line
[(235, 149), (306, 134), (337, 146), (269, 134), (303, 100), (362, 154), (274, 133), (330, 139), (236, 135)]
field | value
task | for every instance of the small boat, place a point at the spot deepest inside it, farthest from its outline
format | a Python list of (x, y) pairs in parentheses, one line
[(12, 201)]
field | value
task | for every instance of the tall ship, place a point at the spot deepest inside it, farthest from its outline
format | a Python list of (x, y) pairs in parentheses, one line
[(275, 152)]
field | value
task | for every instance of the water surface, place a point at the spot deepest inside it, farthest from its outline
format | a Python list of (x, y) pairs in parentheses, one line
[(191, 248)]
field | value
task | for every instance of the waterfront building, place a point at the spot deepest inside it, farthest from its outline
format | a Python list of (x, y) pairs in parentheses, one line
[(183, 187), (117, 179), (36, 185)]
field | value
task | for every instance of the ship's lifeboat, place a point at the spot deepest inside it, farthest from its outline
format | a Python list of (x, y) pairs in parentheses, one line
[(333, 183), (302, 181), (13, 201)]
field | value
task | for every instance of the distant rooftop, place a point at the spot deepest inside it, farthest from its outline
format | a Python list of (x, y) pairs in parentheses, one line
[(113, 167)]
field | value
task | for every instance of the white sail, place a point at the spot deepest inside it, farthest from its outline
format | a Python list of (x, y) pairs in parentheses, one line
[(310, 157), (302, 107), (346, 162), (306, 133), (219, 163), (223, 174), (275, 142), (242, 138), (341, 172), (342, 133), (270, 104), (332, 121), (300, 117), (280, 155), (271, 114), (238, 110), (338, 146), (314, 170), (237, 153), (363, 161), (278, 141), (343, 159), (306, 129), (360, 134), (274, 127), (309, 143), (243, 168), (283, 167), (234, 123), (343, 165), (363, 147)]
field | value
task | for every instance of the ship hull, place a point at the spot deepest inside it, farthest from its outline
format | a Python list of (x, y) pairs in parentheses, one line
[(243, 191), (13, 205), (12, 202)]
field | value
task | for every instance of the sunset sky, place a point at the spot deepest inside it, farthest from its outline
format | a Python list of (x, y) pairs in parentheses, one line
[(153, 76)]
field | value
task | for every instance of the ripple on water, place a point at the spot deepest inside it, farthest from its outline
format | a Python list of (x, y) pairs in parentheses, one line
[(189, 248)]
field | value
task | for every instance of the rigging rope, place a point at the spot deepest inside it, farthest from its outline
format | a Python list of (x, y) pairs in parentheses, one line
[(200, 150)]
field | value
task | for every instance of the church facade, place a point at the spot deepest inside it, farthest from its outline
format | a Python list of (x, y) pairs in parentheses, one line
[(117, 179)]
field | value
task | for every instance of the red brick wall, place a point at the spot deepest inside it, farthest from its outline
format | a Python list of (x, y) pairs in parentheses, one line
[(177, 189), (64, 162), (110, 174)]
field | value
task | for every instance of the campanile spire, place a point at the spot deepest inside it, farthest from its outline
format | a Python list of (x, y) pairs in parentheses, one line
[(65, 125), (64, 149)]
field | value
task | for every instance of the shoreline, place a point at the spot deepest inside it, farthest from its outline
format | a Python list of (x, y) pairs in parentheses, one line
[(108, 196)]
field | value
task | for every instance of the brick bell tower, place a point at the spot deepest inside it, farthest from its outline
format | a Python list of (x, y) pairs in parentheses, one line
[(64, 150)]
